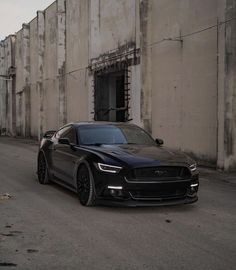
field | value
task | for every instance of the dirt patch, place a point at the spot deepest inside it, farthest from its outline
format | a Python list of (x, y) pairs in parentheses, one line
[(5, 196), (32, 250), (7, 264)]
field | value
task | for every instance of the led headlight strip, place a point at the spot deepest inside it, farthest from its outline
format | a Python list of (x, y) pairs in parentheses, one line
[(109, 168), (193, 167)]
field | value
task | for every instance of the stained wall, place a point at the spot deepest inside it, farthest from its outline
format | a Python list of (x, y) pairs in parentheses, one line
[(179, 57)]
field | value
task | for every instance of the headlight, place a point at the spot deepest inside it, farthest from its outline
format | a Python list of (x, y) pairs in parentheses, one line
[(108, 168), (193, 167)]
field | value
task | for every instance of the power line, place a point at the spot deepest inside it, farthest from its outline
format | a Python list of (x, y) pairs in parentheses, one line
[(180, 38), (177, 38), (72, 71)]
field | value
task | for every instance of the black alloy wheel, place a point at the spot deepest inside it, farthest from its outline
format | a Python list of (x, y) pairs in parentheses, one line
[(85, 187), (43, 176)]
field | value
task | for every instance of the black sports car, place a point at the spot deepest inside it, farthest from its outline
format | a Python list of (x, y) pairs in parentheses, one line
[(116, 163)]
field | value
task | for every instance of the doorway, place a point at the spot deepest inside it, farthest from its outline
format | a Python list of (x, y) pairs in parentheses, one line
[(110, 97)]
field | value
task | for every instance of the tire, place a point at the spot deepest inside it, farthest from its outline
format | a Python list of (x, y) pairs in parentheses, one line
[(43, 175), (85, 186)]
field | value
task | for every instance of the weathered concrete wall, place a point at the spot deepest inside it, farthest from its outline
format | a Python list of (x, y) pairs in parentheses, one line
[(23, 82), (179, 61), (7, 86), (184, 76), (77, 29), (221, 86), (230, 89), (44, 106), (19, 83), (3, 89), (107, 33), (26, 77), (10, 84), (61, 58), (112, 42), (146, 27), (51, 105), (40, 71), (34, 95)]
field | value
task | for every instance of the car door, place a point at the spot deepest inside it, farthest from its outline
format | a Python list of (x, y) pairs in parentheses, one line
[(64, 156)]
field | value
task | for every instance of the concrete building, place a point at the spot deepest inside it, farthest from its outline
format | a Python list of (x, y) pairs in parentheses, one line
[(166, 65), (7, 86)]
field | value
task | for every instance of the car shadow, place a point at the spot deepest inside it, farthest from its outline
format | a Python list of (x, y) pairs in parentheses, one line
[(63, 190), (148, 209), (182, 208)]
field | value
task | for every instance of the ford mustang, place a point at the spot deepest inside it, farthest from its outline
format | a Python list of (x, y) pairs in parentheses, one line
[(118, 164)]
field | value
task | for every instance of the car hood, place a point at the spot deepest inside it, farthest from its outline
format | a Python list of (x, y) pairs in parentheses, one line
[(143, 155)]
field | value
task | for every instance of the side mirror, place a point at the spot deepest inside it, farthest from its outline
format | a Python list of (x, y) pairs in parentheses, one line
[(159, 141), (49, 134), (64, 141)]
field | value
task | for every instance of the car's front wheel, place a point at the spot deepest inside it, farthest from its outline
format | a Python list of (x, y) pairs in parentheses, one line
[(85, 186), (43, 175)]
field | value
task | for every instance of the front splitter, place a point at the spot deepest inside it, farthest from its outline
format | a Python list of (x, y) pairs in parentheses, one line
[(144, 203)]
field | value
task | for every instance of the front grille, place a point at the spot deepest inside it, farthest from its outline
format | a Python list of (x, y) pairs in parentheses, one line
[(161, 172), (161, 191)]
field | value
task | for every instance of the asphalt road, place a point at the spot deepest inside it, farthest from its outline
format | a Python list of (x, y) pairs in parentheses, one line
[(45, 227)]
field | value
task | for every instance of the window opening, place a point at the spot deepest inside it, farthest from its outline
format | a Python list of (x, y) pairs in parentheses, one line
[(111, 99)]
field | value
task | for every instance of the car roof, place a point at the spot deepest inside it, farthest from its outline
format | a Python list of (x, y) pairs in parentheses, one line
[(97, 123), (101, 123)]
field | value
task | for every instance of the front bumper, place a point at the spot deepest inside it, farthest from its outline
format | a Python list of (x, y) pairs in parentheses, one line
[(145, 193)]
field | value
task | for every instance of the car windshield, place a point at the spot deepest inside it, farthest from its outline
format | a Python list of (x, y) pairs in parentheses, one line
[(111, 134)]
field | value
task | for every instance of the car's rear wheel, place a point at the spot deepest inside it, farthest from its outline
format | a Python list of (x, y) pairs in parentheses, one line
[(43, 175), (85, 186)]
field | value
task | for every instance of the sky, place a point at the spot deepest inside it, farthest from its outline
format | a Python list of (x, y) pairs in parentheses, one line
[(13, 13)]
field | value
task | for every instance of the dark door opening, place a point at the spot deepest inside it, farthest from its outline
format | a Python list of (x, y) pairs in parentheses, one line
[(110, 102)]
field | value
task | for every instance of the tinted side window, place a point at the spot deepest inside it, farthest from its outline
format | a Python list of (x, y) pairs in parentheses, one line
[(60, 133), (71, 135)]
